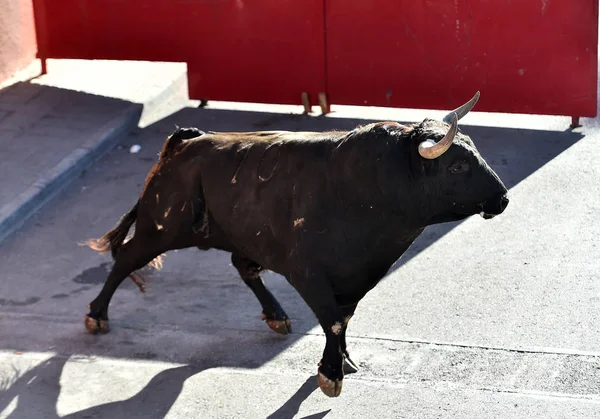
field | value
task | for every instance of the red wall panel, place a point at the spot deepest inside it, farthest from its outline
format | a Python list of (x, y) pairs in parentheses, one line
[(256, 51), (529, 56)]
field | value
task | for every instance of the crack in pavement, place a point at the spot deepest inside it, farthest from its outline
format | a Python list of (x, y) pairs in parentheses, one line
[(165, 326)]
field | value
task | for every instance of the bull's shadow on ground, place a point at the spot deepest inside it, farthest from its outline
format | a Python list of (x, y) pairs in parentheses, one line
[(39, 389), (228, 332)]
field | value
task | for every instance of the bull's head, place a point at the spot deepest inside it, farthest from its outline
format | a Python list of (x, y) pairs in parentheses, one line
[(456, 174)]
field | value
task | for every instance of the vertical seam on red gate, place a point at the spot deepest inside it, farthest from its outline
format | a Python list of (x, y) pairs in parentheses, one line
[(325, 51)]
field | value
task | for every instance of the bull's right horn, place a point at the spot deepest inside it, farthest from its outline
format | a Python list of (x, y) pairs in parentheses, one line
[(429, 149), (462, 110)]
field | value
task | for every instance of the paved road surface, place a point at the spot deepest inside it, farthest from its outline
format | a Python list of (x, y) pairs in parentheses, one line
[(479, 319)]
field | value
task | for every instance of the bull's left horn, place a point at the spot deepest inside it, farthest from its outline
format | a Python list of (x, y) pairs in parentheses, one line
[(429, 149), (463, 110)]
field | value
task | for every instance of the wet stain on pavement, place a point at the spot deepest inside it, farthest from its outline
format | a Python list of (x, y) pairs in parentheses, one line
[(78, 290), (15, 303), (229, 286), (75, 291), (95, 275), (145, 355)]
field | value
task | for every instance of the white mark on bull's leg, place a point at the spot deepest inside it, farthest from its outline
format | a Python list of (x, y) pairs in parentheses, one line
[(258, 234), (336, 328), (347, 319), (157, 199), (167, 212), (298, 222), (183, 207), (158, 226)]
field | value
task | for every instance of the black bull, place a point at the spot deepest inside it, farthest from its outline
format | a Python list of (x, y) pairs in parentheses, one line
[(331, 212)]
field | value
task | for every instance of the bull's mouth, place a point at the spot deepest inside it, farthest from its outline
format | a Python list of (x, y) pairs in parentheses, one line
[(490, 209), (487, 216)]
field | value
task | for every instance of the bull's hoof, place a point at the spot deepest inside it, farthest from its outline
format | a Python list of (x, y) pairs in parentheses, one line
[(349, 366), (282, 327), (331, 388), (279, 322), (95, 326)]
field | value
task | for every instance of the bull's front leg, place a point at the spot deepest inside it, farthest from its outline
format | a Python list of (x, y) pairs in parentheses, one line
[(317, 292), (349, 366)]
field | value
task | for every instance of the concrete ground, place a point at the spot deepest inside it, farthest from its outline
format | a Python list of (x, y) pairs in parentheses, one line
[(53, 126), (478, 319)]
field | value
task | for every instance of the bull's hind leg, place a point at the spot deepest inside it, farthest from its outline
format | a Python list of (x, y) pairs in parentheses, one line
[(273, 314), (132, 256)]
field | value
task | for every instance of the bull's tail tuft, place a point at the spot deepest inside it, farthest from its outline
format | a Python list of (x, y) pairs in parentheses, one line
[(113, 240), (175, 140)]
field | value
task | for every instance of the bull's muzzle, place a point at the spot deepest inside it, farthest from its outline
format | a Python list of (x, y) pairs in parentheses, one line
[(494, 207)]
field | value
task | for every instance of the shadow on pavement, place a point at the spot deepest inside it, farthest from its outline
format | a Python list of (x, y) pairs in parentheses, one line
[(292, 406), (39, 389), (513, 153)]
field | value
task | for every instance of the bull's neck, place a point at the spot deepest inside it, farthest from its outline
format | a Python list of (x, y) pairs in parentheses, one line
[(369, 198)]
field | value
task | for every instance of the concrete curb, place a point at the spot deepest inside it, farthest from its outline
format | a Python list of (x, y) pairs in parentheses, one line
[(14, 214)]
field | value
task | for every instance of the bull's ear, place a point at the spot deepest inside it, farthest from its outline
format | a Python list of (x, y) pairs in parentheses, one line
[(424, 122), (417, 163)]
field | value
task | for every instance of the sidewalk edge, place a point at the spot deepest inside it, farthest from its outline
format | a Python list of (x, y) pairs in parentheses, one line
[(14, 214)]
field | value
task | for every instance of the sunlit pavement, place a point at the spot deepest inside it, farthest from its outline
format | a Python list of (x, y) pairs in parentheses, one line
[(480, 318)]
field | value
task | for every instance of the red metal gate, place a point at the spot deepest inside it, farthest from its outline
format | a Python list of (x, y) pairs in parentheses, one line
[(529, 56), (526, 56), (255, 51)]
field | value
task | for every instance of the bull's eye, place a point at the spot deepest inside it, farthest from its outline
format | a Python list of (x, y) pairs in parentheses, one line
[(459, 167)]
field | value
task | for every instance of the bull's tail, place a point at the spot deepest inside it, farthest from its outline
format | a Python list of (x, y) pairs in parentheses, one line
[(113, 239), (176, 139)]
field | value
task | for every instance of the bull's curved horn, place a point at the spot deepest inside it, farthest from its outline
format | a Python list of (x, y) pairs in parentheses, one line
[(462, 110), (429, 149)]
